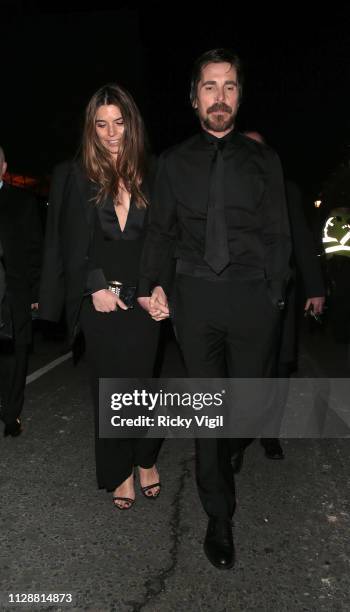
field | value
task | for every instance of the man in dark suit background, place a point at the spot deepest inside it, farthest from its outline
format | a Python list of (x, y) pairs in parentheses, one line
[(2, 284), (306, 265), (21, 239)]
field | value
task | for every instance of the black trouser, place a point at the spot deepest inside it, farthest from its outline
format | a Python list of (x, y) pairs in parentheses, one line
[(13, 372), (225, 329), (339, 317), (119, 344), (279, 402)]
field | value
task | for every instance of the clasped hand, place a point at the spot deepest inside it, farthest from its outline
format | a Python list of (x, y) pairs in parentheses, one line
[(316, 304), (156, 305)]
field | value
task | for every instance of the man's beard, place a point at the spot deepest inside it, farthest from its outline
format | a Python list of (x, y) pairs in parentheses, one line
[(219, 122)]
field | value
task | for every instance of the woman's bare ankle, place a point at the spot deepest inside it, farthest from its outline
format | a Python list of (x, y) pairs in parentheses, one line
[(125, 489), (149, 477)]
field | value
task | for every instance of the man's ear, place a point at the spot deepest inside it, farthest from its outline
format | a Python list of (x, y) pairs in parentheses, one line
[(195, 103), (3, 169)]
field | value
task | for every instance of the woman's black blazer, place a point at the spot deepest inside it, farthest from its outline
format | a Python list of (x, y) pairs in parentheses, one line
[(69, 232), (66, 252)]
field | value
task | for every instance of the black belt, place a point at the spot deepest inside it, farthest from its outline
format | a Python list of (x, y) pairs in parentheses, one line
[(232, 272)]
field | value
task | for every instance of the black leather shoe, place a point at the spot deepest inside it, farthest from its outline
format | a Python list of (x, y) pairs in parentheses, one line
[(237, 461), (218, 543), (13, 429), (273, 448)]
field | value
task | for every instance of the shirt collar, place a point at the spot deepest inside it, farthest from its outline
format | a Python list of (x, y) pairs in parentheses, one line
[(228, 138)]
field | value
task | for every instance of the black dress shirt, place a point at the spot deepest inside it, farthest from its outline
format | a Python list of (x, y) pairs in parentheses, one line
[(255, 206), (108, 260)]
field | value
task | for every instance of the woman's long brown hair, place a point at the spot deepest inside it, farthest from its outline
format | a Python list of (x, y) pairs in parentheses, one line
[(99, 165)]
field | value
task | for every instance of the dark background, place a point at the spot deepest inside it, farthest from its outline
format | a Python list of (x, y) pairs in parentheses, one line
[(56, 54)]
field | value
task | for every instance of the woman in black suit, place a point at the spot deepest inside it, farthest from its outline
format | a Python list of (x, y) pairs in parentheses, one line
[(100, 226)]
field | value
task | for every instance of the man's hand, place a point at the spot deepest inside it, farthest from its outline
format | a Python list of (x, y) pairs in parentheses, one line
[(159, 304), (107, 301), (316, 304), (144, 303), (156, 305)]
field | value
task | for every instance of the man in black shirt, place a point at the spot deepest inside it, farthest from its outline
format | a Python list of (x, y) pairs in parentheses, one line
[(219, 209)]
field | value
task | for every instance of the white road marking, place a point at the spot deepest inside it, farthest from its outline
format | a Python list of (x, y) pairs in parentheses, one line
[(35, 375)]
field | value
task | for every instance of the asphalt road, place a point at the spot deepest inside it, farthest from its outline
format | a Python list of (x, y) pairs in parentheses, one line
[(59, 534)]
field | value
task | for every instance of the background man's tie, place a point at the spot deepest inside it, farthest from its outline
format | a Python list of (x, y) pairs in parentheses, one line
[(216, 243)]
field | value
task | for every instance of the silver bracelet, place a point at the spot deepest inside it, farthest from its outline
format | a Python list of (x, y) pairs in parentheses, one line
[(115, 287)]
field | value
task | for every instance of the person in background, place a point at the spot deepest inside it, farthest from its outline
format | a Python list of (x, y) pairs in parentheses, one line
[(21, 238), (97, 220), (2, 284), (336, 244), (308, 267)]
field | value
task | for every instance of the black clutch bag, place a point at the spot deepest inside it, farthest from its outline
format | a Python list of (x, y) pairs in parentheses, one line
[(128, 295)]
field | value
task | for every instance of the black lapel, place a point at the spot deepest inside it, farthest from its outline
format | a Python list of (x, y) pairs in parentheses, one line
[(87, 191)]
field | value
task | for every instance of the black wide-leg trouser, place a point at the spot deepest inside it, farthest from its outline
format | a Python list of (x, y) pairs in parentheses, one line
[(225, 329), (120, 344), (13, 372)]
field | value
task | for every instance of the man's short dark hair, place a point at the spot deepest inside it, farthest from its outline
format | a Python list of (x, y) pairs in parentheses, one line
[(215, 56)]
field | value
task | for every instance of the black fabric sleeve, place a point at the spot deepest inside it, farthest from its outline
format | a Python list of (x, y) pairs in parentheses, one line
[(304, 251), (157, 262), (51, 295), (96, 279), (33, 244), (2, 281), (276, 230)]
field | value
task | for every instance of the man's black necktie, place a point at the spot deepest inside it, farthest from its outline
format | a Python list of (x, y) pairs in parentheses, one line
[(216, 243)]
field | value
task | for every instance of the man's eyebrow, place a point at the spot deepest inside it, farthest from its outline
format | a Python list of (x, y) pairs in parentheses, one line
[(231, 82)]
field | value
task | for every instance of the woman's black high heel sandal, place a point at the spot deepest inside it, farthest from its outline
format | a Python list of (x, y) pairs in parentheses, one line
[(128, 500), (152, 486)]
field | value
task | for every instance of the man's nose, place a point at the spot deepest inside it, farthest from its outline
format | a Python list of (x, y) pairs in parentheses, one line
[(220, 94)]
